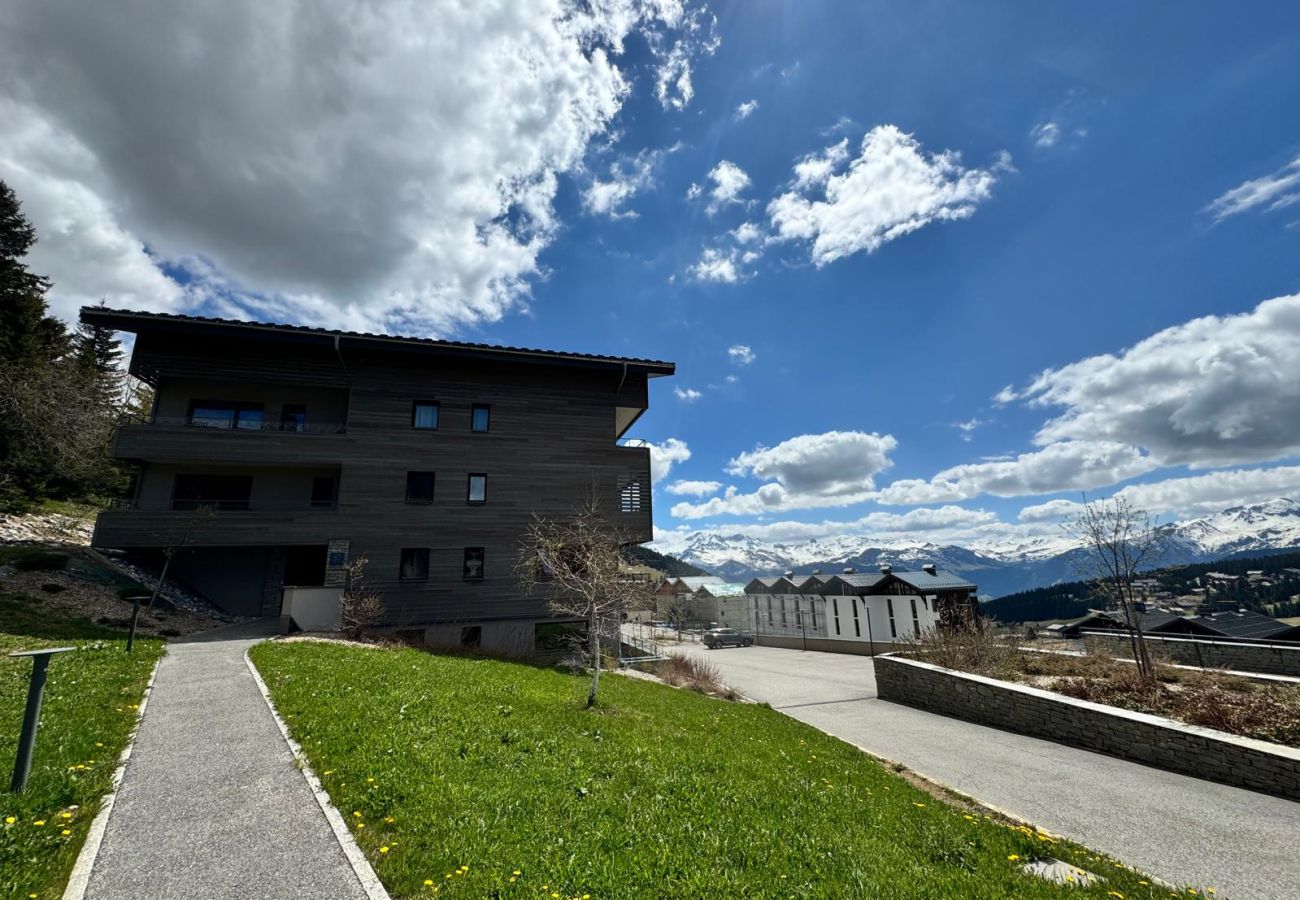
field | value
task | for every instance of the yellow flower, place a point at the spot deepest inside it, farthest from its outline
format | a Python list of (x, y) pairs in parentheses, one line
[(920, 805), (357, 814), (66, 815), (1115, 894), (328, 772), (370, 780), (65, 832), (513, 879), (39, 822), (9, 820), (1143, 882), (428, 882), (1014, 856), (516, 872), (383, 849), (361, 824)]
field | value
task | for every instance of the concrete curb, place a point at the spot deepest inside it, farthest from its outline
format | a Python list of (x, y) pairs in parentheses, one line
[(370, 882), (79, 880)]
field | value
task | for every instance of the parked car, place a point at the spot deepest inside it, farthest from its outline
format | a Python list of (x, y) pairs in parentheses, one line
[(724, 637)]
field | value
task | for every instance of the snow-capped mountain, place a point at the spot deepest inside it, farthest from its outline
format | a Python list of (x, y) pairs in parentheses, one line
[(999, 566)]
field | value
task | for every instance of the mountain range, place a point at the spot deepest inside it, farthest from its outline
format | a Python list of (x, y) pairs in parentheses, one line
[(999, 567)]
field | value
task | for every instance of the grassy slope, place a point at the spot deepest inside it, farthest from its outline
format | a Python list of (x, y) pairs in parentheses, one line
[(450, 762), (90, 707)]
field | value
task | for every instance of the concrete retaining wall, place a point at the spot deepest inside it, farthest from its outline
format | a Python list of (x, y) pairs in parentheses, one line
[(1155, 741), (826, 645), (1270, 659)]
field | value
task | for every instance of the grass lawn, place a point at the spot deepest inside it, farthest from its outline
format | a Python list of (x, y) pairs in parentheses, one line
[(466, 777), (90, 706)]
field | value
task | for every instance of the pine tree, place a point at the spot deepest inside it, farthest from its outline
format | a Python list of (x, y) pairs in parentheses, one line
[(98, 356), (29, 336)]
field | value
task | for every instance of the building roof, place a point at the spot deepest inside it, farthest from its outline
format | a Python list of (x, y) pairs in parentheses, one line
[(866, 579), (725, 589), (940, 581), (136, 322), (1244, 623)]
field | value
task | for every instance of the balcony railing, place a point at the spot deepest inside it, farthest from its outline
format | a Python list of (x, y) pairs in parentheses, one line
[(225, 505), (232, 425)]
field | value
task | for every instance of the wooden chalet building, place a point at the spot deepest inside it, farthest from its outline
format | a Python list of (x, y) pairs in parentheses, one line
[(274, 454)]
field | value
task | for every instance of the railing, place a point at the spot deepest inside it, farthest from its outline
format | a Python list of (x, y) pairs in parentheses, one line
[(214, 505), (633, 442), (223, 425)]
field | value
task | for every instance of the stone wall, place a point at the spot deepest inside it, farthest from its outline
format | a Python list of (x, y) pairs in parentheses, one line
[(826, 645), (1152, 740), (1270, 659)]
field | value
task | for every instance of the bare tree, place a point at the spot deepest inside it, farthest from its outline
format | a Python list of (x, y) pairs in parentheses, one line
[(362, 604), (1119, 540), (579, 561), (177, 537)]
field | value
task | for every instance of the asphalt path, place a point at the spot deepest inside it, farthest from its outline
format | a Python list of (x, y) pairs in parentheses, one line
[(1184, 830)]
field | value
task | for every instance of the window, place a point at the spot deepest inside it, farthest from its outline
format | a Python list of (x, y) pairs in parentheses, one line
[(479, 417), (835, 607), (419, 487), (812, 611), (916, 623), (857, 625), (424, 415), (322, 492), (226, 414), (415, 564), (769, 611), (223, 492), (477, 491), (473, 564), (471, 636), (629, 496), (893, 631), (783, 612), (293, 417)]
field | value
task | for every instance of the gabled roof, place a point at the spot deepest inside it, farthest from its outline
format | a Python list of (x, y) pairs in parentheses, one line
[(765, 585), (138, 322), (725, 589), (695, 582), (855, 582), (940, 581), (1244, 624)]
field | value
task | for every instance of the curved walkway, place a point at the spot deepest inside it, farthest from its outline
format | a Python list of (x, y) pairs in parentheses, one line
[(212, 804), (1181, 829)]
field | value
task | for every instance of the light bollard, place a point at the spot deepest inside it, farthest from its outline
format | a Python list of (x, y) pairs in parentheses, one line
[(32, 715)]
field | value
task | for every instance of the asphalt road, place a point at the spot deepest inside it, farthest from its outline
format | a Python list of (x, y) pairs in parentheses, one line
[(1183, 830)]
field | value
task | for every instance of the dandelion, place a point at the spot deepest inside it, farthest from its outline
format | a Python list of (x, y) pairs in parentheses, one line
[(1115, 894), (66, 815), (9, 820), (516, 873), (1014, 856), (328, 772), (918, 805), (428, 882), (383, 849), (39, 822), (356, 813), (65, 832)]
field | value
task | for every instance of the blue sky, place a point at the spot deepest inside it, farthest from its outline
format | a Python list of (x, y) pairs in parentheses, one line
[(990, 192)]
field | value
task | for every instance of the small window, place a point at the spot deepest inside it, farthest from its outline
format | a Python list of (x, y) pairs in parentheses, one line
[(419, 487), (893, 630), (477, 492), (226, 414), (479, 417), (424, 415), (322, 492), (916, 622), (415, 564), (473, 564), (857, 625), (629, 496), (835, 607), (293, 417)]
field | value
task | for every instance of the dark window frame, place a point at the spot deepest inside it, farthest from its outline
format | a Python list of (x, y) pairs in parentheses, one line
[(418, 553), (236, 407), (469, 488), (473, 418), (222, 500), (318, 502), (433, 487), (296, 425), (482, 560), (415, 411)]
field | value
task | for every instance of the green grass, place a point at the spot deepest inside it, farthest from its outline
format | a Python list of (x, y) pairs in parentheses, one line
[(90, 706), (453, 761)]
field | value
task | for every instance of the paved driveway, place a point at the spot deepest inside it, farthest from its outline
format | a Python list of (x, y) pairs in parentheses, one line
[(1184, 830)]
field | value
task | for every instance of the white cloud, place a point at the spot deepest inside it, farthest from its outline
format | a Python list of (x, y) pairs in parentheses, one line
[(968, 427), (694, 191), (1071, 465), (664, 455), (815, 169), (1051, 511), (628, 177), (1218, 390), (741, 354), (694, 488), (836, 468), (731, 379), (687, 395), (891, 189), (729, 182), (746, 232), (717, 265), (1275, 191), (1045, 134), (386, 167), (746, 109), (673, 84), (697, 37)]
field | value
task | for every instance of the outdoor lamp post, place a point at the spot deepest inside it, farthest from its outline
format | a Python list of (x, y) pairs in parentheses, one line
[(32, 716)]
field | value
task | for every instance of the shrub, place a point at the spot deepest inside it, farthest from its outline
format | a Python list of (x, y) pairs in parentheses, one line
[(694, 674)]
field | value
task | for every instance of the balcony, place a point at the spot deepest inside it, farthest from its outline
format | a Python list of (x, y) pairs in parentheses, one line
[(182, 438), (632, 510), (221, 523)]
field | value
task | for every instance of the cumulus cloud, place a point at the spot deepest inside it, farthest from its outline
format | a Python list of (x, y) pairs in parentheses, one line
[(836, 468), (1045, 134), (687, 395), (1071, 465), (719, 265), (746, 109), (696, 36), (892, 188), (968, 427), (746, 233), (626, 178), (741, 355), (1215, 391), (1275, 191), (694, 488), (664, 455), (388, 170), (1051, 511), (729, 182)]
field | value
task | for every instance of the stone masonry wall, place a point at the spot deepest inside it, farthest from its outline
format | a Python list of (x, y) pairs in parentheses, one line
[(1270, 659), (1154, 741)]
